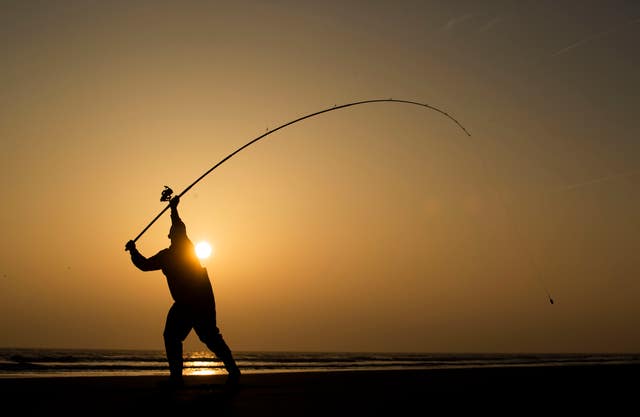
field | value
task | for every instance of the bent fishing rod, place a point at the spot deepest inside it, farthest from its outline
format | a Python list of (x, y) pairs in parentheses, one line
[(166, 194)]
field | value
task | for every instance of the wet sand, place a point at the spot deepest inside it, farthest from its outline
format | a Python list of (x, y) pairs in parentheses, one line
[(556, 390)]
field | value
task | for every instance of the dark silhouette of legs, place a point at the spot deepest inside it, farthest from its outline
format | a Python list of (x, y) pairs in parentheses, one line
[(180, 320)]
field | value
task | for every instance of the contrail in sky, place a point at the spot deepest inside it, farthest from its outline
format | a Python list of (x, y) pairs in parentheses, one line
[(593, 37), (491, 24), (451, 23), (599, 180)]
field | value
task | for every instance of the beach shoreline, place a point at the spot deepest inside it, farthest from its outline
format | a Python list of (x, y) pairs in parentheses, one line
[(399, 392)]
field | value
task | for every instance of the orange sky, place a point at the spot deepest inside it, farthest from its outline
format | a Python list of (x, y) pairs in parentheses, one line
[(374, 228)]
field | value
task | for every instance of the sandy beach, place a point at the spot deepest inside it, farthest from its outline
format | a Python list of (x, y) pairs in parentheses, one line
[(505, 391)]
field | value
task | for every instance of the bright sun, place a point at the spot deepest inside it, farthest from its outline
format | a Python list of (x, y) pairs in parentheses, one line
[(203, 250)]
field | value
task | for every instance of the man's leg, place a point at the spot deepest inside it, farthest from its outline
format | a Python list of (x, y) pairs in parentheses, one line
[(222, 351), (209, 334), (176, 329)]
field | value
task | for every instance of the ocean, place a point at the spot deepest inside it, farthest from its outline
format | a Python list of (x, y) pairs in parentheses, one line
[(18, 363)]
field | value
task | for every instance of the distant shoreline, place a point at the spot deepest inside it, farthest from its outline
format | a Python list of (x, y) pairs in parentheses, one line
[(544, 388), (44, 363)]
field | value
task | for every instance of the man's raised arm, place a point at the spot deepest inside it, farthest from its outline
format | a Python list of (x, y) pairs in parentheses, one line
[(175, 217)]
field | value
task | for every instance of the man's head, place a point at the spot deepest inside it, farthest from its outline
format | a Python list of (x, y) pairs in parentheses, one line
[(177, 232)]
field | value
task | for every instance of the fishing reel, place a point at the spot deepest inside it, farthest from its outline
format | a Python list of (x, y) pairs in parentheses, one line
[(166, 194)]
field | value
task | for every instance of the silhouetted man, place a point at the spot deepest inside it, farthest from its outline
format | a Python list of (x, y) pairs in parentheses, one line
[(194, 304)]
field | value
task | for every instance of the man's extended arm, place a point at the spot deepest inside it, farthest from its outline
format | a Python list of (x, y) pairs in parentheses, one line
[(141, 262)]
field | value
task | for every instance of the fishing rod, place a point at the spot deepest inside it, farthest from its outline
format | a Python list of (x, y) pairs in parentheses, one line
[(167, 192)]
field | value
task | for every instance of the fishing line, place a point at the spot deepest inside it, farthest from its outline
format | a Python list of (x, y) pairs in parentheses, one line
[(166, 194)]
